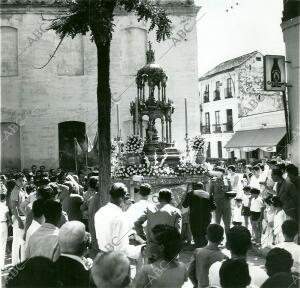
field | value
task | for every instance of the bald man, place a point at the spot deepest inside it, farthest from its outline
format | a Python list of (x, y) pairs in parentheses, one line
[(73, 242), (111, 270)]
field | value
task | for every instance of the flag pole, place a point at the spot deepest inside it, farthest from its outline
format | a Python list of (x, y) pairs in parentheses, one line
[(87, 149), (75, 150)]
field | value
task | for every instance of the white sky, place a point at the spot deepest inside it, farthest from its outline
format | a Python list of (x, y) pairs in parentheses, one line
[(251, 25)]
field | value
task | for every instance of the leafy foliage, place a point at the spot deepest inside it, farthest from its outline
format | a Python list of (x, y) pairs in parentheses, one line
[(96, 16)]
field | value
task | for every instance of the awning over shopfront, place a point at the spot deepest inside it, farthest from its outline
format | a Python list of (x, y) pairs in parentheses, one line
[(249, 140)]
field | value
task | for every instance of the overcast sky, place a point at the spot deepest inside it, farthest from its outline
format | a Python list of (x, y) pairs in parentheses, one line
[(251, 25)]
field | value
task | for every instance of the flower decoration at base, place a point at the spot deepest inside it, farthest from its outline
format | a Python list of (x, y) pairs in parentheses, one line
[(134, 144), (198, 143)]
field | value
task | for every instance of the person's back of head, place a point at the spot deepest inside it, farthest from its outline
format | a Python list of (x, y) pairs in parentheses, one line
[(289, 229), (281, 280), (38, 208), (215, 233), (111, 269), (276, 202), (52, 212), (198, 186), (145, 190), (118, 192), (292, 170), (234, 273), (92, 182), (45, 193), (165, 195), (72, 238), (33, 272), (169, 239), (238, 240), (278, 260)]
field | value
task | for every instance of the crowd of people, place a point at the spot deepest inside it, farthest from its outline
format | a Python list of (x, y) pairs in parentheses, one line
[(62, 238)]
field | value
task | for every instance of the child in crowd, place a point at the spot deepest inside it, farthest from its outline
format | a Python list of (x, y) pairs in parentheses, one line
[(237, 217), (268, 237), (246, 204), (204, 257), (256, 208), (5, 221), (289, 230), (279, 218), (167, 271), (234, 273)]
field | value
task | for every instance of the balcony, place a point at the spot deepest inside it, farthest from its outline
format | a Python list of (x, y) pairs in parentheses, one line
[(206, 97), (205, 129), (217, 95), (217, 128), (228, 93), (228, 127)]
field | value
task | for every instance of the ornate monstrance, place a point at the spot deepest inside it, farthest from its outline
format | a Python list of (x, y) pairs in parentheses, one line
[(151, 100)]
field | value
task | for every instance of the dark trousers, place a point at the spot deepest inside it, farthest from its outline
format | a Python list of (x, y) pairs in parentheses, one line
[(223, 211), (199, 225)]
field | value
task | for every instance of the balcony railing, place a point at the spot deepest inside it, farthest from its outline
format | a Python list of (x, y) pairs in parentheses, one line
[(217, 95), (217, 128), (206, 97), (205, 129), (228, 93), (228, 126)]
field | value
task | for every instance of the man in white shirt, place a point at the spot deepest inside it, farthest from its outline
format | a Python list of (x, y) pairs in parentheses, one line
[(290, 230), (112, 226), (238, 242), (38, 219), (44, 241), (136, 210), (164, 213)]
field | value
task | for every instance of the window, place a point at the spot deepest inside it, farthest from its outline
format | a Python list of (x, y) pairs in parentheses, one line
[(70, 60), (258, 58), (206, 94), (217, 121), (220, 155), (229, 122), (133, 49), (9, 51), (228, 92), (217, 91), (206, 128), (208, 151)]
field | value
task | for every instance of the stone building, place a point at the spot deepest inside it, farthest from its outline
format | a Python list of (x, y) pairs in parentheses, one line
[(44, 109), (235, 108)]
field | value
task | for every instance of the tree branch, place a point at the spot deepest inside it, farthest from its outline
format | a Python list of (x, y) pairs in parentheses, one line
[(51, 55)]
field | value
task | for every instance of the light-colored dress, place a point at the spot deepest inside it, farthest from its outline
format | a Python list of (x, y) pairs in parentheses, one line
[(268, 236), (279, 218)]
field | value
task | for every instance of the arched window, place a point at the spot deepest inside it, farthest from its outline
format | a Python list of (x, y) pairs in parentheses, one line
[(9, 51), (70, 57), (133, 50)]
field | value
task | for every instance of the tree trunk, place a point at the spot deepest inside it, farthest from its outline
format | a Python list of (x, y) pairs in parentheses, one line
[(104, 113)]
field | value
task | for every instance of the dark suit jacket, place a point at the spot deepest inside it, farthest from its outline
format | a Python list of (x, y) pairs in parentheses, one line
[(72, 273)]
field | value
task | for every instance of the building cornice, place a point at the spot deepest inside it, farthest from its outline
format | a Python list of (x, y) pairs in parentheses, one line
[(290, 23), (59, 6)]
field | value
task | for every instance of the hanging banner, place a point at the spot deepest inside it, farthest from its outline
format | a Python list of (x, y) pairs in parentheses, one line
[(274, 73), (268, 149)]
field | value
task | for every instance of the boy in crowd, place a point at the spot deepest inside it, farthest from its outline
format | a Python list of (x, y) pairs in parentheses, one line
[(290, 230), (204, 257), (237, 217), (256, 209)]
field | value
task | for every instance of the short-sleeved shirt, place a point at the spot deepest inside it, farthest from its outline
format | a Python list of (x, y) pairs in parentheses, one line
[(3, 211), (204, 258), (256, 204), (18, 195)]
